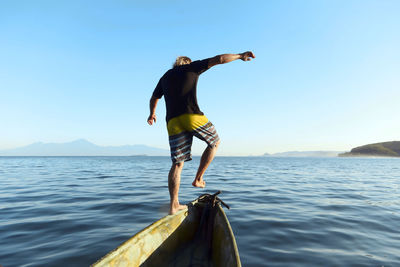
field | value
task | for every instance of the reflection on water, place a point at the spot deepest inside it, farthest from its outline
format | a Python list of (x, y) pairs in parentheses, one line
[(285, 211)]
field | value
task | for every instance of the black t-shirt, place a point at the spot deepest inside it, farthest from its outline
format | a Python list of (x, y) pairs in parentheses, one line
[(178, 85)]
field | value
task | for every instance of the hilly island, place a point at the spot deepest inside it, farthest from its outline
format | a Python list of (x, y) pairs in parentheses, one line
[(384, 149)]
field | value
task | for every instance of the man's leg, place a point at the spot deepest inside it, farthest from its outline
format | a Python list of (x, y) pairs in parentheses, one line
[(206, 158), (174, 180)]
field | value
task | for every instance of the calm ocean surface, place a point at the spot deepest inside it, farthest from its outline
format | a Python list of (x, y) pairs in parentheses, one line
[(70, 211)]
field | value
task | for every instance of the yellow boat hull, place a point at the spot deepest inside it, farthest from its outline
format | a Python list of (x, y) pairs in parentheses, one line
[(199, 235)]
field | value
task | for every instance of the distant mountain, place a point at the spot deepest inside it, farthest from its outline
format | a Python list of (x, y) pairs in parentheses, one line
[(385, 149), (82, 147), (305, 154)]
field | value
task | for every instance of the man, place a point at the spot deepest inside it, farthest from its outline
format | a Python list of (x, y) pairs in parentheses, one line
[(184, 118)]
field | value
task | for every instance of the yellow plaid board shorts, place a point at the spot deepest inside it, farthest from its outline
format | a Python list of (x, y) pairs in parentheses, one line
[(181, 130)]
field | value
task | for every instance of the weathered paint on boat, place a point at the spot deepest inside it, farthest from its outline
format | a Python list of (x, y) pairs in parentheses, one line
[(186, 238)]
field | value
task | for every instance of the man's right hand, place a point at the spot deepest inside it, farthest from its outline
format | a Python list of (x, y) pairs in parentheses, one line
[(152, 118), (247, 56)]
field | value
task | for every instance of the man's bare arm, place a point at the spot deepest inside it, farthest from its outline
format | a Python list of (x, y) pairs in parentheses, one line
[(153, 105), (226, 58)]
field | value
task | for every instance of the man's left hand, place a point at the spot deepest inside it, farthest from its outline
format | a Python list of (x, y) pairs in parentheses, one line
[(247, 56)]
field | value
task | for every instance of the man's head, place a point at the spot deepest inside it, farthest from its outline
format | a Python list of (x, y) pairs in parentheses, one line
[(182, 61)]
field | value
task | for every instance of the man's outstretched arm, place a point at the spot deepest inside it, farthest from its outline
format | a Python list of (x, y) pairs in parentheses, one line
[(153, 105), (226, 58)]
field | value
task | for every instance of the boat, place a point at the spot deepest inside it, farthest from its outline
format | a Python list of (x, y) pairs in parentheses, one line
[(199, 235)]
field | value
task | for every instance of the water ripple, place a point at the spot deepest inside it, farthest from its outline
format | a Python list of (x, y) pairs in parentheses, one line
[(285, 211)]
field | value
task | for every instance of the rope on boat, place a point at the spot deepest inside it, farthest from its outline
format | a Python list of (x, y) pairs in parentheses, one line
[(206, 227), (213, 199)]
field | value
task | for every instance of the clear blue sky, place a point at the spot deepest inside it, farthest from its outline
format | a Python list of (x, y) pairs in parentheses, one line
[(326, 76)]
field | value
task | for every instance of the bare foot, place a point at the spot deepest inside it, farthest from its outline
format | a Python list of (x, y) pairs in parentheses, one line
[(199, 183), (175, 208)]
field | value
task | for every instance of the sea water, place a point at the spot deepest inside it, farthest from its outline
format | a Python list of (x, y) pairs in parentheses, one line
[(70, 211)]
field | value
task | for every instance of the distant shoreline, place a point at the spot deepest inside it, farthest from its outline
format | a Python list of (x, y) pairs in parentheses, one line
[(354, 155), (384, 149), (198, 156)]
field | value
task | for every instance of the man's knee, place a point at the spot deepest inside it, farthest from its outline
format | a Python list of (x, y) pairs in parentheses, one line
[(178, 165), (217, 143)]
